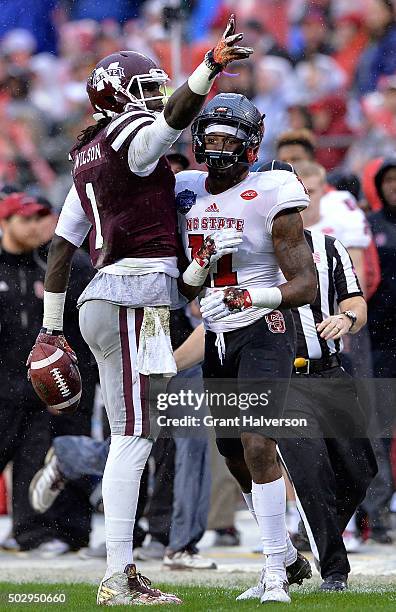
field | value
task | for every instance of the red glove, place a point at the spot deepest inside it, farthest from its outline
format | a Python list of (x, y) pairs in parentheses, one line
[(205, 252), (237, 299), (55, 338), (226, 51)]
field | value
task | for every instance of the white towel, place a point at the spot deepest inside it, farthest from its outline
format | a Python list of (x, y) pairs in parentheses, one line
[(155, 354)]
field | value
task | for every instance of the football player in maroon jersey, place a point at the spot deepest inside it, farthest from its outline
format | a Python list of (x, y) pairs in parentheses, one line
[(123, 197)]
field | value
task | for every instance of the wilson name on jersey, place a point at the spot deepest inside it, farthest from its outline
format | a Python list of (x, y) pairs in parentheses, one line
[(249, 207)]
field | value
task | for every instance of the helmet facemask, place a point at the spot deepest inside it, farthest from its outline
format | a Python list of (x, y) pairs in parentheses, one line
[(117, 91), (221, 159), (155, 75)]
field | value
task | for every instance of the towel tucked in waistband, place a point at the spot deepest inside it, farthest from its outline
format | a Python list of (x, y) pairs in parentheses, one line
[(155, 354)]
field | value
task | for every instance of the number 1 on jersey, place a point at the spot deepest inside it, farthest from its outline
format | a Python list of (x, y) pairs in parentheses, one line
[(98, 228)]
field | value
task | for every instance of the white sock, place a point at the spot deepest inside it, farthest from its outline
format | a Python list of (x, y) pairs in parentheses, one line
[(269, 503), (120, 488), (292, 516), (291, 552)]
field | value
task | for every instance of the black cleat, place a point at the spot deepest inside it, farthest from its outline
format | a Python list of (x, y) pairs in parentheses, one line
[(299, 570), (336, 582)]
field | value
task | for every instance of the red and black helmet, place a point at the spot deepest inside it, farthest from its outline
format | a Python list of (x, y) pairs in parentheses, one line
[(113, 79)]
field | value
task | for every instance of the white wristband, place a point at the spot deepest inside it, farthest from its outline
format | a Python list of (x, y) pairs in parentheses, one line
[(199, 82), (54, 304), (269, 297), (195, 275)]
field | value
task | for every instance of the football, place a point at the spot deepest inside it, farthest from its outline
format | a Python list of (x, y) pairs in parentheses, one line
[(55, 378)]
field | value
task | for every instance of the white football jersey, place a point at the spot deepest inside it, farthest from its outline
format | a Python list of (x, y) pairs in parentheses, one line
[(341, 218), (250, 208)]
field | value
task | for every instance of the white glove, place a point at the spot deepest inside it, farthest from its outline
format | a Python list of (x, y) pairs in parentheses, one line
[(225, 241), (213, 306), (219, 304)]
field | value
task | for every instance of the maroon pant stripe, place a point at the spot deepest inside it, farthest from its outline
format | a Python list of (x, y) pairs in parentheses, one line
[(144, 380), (126, 372)]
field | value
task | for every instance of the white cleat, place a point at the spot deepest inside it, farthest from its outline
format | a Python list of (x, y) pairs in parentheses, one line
[(255, 592), (185, 560), (46, 484), (276, 590)]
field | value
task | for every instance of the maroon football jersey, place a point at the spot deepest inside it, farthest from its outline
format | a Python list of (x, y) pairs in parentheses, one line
[(131, 216)]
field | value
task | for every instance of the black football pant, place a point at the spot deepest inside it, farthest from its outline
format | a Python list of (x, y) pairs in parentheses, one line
[(330, 474), (72, 511), (25, 439), (159, 513)]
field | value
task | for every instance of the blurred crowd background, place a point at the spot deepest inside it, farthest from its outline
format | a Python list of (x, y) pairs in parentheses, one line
[(323, 70), (325, 65)]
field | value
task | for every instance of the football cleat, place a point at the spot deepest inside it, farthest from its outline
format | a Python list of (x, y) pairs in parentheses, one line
[(336, 582), (276, 590), (130, 588), (296, 573), (52, 549), (189, 561), (299, 570), (46, 484), (255, 592)]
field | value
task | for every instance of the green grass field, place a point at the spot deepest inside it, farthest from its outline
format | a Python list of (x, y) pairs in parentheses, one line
[(196, 598)]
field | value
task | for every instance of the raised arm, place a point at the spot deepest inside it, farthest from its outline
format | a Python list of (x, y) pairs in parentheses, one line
[(154, 140), (185, 103)]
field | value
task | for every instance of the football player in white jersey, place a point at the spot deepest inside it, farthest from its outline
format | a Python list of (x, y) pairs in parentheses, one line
[(335, 213), (242, 231)]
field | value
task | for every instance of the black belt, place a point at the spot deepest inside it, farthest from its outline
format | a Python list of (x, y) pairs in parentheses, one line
[(312, 366)]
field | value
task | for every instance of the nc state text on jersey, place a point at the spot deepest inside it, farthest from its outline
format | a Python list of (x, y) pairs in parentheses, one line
[(214, 223), (86, 156)]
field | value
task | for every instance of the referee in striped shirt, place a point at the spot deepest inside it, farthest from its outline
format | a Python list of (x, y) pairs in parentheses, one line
[(331, 463)]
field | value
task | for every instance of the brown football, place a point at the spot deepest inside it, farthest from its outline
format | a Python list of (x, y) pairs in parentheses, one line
[(55, 378)]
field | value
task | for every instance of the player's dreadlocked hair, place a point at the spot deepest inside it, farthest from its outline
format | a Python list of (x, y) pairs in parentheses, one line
[(89, 133)]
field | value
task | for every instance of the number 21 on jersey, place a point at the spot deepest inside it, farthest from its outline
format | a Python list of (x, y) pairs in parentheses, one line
[(225, 276), (98, 228)]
